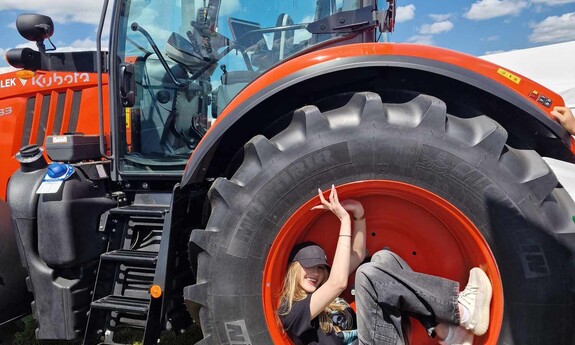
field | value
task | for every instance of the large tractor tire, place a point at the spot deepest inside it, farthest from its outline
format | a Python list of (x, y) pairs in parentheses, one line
[(446, 193)]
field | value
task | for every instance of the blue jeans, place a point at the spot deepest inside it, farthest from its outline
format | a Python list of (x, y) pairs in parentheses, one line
[(388, 292)]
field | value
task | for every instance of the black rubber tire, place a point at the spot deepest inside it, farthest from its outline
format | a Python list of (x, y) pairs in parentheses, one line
[(511, 195)]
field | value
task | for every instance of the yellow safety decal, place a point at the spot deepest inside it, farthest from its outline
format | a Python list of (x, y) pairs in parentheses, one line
[(128, 117), (509, 75)]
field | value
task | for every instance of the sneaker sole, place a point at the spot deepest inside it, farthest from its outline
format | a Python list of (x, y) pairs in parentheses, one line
[(483, 301)]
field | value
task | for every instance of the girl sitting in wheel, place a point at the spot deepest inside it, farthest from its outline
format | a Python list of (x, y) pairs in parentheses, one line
[(387, 293)]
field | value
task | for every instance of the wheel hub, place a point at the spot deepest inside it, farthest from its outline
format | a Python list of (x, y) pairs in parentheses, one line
[(431, 234)]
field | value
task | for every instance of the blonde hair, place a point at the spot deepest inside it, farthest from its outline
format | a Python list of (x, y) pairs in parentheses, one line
[(293, 292)]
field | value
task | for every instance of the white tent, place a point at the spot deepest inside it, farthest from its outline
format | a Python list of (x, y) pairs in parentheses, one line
[(552, 66)]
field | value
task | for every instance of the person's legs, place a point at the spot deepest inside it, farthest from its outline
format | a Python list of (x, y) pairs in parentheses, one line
[(387, 289), (376, 324)]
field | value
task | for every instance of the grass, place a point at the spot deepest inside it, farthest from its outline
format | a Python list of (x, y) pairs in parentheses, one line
[(22, 332)]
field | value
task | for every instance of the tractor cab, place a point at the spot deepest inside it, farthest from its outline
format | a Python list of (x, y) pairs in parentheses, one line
[(184, 61)]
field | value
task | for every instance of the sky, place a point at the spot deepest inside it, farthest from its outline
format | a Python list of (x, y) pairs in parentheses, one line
[(476, 27)]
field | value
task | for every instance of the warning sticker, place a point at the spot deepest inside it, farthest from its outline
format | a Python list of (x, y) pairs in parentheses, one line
[(54, 178), (509, 75)]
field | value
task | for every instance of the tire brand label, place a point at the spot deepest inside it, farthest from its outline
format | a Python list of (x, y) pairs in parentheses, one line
[(237, 333), (531, 254), (286, 180), (524, 238), (246, 230)]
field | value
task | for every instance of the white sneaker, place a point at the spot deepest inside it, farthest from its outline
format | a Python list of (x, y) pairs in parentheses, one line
[(476, 298), (460, 336)]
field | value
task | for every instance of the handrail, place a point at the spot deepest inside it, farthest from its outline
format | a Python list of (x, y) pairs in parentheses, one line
[(100, 86)]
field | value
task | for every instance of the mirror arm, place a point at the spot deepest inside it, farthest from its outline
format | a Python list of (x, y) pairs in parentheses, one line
[(136, 27)]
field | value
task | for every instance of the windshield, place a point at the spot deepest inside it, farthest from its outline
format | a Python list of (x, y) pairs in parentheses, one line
[(208, 52)]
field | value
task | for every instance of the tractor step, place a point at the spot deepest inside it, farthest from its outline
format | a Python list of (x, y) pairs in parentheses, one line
[(131, 257), (122, 304), (138, 255), (140, 210)]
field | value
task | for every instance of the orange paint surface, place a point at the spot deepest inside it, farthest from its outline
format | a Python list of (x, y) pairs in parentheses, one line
[(44, 87)]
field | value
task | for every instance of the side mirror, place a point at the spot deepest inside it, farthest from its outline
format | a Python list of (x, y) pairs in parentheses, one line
[(35, 27)]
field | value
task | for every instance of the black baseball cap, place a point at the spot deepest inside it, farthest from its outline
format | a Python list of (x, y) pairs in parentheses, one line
[(309, 254)]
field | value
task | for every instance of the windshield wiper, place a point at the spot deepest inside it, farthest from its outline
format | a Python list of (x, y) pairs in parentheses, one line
[(180, 84), (344, 22)]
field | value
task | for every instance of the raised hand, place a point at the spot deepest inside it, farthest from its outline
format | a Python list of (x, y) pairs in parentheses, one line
[(565, 117), (333, 204)]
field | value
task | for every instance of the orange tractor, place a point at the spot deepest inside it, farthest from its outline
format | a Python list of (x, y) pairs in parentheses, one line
[(224, 119)]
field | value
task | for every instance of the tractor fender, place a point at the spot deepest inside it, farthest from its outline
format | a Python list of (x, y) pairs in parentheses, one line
[(506, 85)]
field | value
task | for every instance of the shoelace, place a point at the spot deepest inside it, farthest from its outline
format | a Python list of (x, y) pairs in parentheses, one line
[(468, 294), (466, 298)]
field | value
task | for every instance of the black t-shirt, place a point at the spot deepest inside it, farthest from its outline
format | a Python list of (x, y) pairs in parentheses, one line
[(304, 331)]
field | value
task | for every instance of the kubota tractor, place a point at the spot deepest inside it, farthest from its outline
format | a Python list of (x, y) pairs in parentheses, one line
[(225, 118)]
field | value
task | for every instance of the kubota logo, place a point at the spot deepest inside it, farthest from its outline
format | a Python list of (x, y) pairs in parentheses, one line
[(47, 80), (55, 79)]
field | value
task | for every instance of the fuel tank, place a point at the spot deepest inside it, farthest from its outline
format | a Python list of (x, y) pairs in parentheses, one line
[(14, 297), (56, 210)]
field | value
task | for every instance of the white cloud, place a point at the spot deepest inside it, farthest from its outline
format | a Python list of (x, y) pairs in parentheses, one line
[(421, 39), (77, 45), (552, 2), (487, 9), (491, 38), (4, 69), (491, 52), (441, 17), (229, 7), (405, 13), (87, 44), (7, 69), (61, 11), (300, 35), (554, 29), (436, 28), (27, 45)]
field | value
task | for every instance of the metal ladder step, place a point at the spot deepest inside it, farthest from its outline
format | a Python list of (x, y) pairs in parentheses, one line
[(140, 210), (124, 275), (122, 304), (131, 257)]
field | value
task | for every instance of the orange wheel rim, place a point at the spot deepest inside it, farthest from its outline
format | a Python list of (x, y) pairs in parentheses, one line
[(431, 234)]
